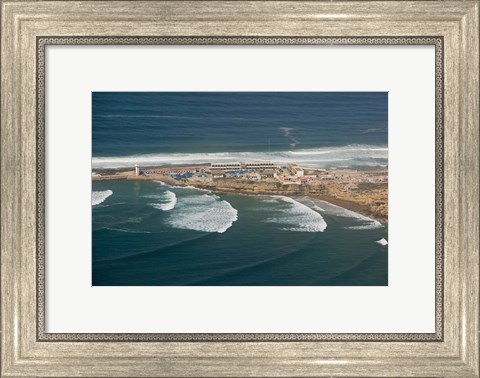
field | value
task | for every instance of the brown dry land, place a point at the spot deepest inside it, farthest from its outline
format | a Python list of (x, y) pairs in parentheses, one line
[(369, 199)]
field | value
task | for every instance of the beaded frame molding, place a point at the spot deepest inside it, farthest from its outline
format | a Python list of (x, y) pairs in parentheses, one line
[(437, 42)]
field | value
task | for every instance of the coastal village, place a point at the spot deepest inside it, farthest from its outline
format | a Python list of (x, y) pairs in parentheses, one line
[(364, 191)]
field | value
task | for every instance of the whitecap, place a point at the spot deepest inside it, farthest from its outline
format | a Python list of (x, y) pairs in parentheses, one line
[(100, 196), (296, 215), (382, 241), (373, 224), (206, 213), (168, 201)]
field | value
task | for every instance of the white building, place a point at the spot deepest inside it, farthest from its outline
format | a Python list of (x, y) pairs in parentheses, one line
[(226, 166), (260, 165)]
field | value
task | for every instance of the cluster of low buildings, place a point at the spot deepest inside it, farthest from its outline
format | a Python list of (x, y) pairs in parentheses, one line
[(266, 171)]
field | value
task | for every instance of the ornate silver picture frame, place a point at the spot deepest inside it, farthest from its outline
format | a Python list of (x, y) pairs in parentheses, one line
[(42, 42), (451, 27)]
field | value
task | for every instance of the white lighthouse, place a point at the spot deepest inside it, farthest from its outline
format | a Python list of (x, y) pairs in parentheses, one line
[(137, 170)]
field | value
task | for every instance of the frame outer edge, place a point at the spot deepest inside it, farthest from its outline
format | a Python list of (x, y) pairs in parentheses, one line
[(470, 202), (42, 42), (9, 203), (11, 156)]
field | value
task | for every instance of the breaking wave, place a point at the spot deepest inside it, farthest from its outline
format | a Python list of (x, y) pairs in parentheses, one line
[(168, 201), (297, 216), (366, 223), (99, 197), (205, 213), (324, 157)]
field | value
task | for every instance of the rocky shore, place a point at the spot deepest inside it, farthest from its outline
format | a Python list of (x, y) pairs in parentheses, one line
[(370, 200), (372, 203)]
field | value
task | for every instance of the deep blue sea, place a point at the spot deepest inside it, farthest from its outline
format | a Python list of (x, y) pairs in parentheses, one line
[(146, 233)]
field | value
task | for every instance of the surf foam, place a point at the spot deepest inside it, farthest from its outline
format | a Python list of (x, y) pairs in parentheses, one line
[(324, 157), (99, 196), (297, 216), (169, 200), (205, 213), (331, 209)]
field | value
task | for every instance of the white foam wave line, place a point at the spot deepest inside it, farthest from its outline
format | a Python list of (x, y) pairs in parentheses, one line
[(370, 226), (310, 158), (331, 209), (382, 241), (169, 201), (182, 187), (99, 196), (315, 207), (298, 216), (189, 187), (339, 150), (204, 213)]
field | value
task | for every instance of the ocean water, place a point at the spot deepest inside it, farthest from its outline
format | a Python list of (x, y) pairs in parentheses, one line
[(148, 233), (324, 129)]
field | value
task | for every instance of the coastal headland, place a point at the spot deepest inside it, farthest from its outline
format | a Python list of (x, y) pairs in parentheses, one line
[(364, 191)]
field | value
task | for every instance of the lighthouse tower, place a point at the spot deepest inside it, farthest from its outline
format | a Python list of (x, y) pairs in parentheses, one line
[(137, 170)]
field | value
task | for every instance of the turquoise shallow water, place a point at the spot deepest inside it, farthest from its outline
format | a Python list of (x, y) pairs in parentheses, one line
[(145, 233)]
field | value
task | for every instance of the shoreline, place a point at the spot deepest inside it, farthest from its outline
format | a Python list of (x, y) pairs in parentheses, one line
[(348, 205), (356, 207)]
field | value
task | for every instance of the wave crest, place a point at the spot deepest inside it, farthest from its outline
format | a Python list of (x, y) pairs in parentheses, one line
[(99, 196), (366, 223), (205, 213), (298, 216), (169, 200)]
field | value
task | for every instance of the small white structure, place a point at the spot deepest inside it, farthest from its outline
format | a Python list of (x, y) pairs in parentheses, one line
[(137, 170), (260, 165)]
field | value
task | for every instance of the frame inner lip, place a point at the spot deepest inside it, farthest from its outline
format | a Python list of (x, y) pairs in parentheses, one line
[(43, 41)]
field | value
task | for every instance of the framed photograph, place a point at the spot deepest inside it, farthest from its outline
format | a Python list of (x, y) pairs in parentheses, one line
[(219, 188), (231, 188)]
